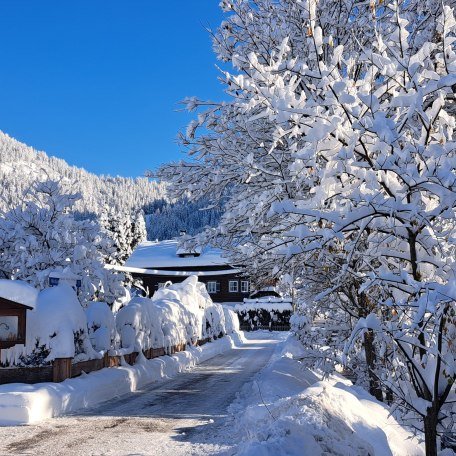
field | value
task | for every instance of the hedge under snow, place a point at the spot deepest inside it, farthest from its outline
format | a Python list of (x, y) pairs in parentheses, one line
[(59, 327)]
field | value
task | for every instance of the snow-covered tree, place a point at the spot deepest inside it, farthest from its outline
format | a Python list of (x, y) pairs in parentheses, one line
[(126, 231), (41, 236), (337, 151)]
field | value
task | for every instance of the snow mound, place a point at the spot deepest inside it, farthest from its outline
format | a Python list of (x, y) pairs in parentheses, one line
[(294, 412), (18, 291), (327, 419)]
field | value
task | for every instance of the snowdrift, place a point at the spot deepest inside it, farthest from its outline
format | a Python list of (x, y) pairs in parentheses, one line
[(295, 412)]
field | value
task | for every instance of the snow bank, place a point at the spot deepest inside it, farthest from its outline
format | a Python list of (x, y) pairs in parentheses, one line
[(18, 291), (27, 404), (295, 412)]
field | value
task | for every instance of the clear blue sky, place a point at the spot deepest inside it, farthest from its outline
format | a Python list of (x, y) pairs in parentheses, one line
[(97, 82)]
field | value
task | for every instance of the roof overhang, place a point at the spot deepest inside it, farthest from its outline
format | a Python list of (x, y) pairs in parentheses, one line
[(162, 272)]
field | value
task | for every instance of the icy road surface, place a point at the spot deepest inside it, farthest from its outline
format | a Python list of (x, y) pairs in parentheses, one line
[(186, 415)]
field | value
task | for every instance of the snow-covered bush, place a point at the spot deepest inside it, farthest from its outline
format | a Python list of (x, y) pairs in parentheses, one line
[(59, 325), (156, 317), (101, 325), (214, 321), (264, 314), (134, 326), (186, 302), (180, 313), (231, 320)]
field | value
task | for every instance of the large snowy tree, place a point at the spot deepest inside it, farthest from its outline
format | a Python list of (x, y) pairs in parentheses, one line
[(41, 236), (338, 147)]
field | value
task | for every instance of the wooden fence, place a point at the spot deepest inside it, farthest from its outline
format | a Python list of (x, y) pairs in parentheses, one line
[(63, 368)]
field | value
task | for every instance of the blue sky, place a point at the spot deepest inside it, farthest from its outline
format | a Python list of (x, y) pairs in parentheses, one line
[(98, 82)]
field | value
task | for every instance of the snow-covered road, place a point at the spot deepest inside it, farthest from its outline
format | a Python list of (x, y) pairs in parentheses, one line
[(186, 415)]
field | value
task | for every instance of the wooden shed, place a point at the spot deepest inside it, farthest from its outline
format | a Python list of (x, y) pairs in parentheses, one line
[(15, 299)]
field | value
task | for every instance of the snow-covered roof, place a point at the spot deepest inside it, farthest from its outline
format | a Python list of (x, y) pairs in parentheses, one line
[(165, 254), (18, 291)]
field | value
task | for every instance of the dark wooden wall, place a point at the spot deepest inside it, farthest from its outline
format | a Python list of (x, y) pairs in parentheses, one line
[(151, 282)]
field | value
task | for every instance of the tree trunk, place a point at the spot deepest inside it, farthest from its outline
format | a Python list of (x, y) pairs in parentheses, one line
[(430, 430), (389, 396), (369, 350)]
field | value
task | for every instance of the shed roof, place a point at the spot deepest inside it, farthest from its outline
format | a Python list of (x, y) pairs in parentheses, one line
[(19, 292), (165, 254)]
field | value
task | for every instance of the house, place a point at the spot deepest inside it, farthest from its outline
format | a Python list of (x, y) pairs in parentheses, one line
[(156, 263)]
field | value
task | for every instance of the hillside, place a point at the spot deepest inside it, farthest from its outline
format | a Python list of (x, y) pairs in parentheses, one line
[(21, 165)]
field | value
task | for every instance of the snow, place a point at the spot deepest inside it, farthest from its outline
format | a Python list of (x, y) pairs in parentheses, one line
[(18, 291), (56, 320), (150, 254), (290, 410), (27, 404), (101, 324), (231, 320)]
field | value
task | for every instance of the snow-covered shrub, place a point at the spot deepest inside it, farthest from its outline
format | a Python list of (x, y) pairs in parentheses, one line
[(263, 314), (186, 302), (231, 320), (214, 317), (123, 299), (101, 325), (59, 324), (177, 325), (134, 326), (180, 313), (155, 315)]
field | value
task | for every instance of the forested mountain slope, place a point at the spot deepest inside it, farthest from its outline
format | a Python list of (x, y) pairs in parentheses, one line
[(21, 166)]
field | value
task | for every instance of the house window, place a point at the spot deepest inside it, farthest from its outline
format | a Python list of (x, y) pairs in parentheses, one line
[(233, 286), (245, 286), (213, 287)]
